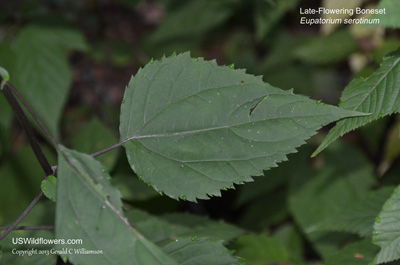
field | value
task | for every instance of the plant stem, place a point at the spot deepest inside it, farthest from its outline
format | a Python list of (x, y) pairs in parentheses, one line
[(30, 227), (33, 114), (24, 213), (44, 163), (100, 152), (28, 130), (107, 149)]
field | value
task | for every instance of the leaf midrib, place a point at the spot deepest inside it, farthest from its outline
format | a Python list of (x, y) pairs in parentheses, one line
[(136, 137)]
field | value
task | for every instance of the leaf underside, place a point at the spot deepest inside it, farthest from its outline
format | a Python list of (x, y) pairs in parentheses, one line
[(378, 95), (191, 127)]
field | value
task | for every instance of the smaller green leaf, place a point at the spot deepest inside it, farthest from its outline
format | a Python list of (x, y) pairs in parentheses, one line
[(359, 253), (378, 95), (49, 187)]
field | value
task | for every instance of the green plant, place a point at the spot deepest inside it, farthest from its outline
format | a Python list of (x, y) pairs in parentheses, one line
[(193, 130)]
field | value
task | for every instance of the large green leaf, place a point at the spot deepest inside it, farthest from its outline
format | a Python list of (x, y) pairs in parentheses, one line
[(43, 75), (88, 208), (191, 127), (378, 95), (387, 229), (391, 18), (359, 216)]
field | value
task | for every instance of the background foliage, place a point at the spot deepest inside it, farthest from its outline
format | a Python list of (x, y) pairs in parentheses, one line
[(71, 60)]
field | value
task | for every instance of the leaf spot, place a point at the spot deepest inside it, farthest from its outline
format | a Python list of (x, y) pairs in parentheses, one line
[(358, 256)]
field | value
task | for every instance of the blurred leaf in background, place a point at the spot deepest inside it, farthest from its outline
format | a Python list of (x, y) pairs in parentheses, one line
[(95, 136), (19, 175), (314, 198), (261, 249), (390, 19), (267, 14), (41, 71)]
